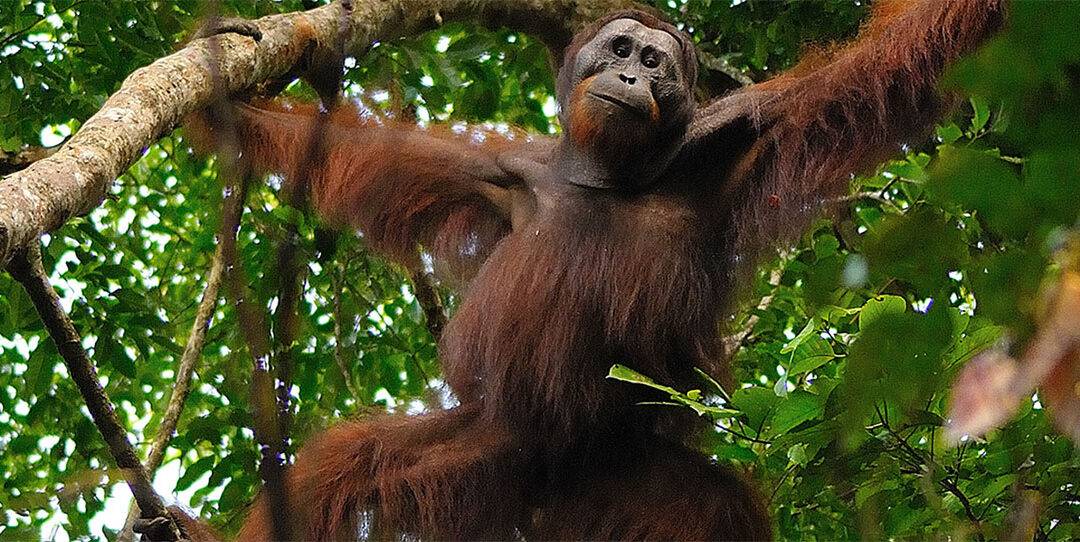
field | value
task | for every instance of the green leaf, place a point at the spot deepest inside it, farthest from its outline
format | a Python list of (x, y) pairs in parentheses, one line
[(826, 245), (736, 453), (626, 374), (40, 368), (807, 331), (797, 454), (949, 133), (811, 354), (882, 305), (108, 350), (972, 343), (780, 388), (920, 247), (983, 182), (897, 360), (712, 381), (799, 406), (689, 399), (716, 413), (234, 495), (924, 417), (981, 115), (997, 485), (194, 472), (910, 170), (756, 403)]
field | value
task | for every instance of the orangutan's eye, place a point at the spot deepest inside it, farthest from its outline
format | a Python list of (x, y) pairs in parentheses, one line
[(649, 58)]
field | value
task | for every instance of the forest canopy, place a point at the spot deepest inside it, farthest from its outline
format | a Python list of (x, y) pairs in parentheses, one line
[(858, 402)]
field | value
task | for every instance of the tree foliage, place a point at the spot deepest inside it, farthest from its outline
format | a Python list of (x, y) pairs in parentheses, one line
[(847, 343)]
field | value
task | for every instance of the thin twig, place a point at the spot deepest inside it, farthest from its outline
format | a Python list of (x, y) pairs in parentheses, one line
[(735, 341), (182, 385), (250, 317), (741, 435), (294, 193), (339, 347), (780, 482), (919, 460), (18, 33), (255, 332), (27, 269), (872, 196)]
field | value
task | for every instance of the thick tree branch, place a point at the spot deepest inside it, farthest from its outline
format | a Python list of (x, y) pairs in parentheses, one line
[(718, 77), (721, 65), (153, 99), (27, 269)]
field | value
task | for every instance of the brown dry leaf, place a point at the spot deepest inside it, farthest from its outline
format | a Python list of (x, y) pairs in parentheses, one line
[(990, 387)]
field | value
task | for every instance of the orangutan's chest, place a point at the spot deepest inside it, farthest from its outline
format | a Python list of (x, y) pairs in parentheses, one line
[(608, 254)]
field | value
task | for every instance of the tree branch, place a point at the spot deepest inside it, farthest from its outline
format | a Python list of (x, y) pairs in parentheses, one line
[(254, 329), (338, 281), (735, 341), (922, 464), (182, 385), (721, 65), (429, 301), (27, 269), (153, 99), (290, 272), (10, 162)]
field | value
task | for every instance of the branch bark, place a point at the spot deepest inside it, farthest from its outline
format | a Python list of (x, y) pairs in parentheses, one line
[(10, 162), (153, 99), (27, 269)]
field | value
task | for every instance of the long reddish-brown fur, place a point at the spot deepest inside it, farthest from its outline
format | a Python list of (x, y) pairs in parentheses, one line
[(542, 447), (841, 112), (397, 185)]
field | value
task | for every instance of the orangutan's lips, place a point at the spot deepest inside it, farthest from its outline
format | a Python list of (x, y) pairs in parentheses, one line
[(618, 102)]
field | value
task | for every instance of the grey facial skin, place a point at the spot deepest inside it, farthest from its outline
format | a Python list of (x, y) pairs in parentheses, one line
[(639, 102), (634, 65)]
